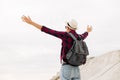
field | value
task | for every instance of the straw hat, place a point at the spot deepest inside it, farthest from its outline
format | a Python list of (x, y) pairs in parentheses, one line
[(72, 24)]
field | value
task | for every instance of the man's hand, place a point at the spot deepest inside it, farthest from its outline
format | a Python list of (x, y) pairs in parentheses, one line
[(89, 28), (29, 21), (26, 19)]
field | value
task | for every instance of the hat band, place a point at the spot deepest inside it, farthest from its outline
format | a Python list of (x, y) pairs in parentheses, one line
[(70, 26)]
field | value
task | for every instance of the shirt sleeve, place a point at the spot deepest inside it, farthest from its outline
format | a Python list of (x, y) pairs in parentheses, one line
[(58, 34), (84, 35)]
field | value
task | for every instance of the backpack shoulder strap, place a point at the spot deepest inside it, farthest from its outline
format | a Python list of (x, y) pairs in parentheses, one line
[(72, 36)]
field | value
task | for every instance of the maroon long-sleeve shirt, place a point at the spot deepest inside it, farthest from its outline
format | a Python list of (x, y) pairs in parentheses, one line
[(67, 40)]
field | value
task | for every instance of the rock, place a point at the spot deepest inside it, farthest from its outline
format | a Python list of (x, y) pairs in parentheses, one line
[(56, 77), (104, 67)]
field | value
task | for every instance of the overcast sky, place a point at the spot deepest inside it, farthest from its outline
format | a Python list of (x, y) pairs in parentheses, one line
[(25, 50)]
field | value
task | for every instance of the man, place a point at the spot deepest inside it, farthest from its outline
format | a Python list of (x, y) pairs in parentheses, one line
[(68, 72)]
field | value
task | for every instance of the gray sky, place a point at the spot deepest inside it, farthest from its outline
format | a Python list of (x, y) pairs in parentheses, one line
[(24, 49)]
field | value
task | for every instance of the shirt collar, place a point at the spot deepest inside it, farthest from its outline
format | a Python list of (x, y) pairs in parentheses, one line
[(73, 31)]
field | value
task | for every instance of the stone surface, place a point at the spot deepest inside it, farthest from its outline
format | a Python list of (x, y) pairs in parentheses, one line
[(103, 67)]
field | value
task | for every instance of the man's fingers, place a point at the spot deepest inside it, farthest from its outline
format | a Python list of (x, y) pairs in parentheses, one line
[(89, 26), (23, 18), (26, 19), (29, 18)]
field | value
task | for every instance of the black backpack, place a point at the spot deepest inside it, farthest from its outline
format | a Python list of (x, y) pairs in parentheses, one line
[(77, 55)]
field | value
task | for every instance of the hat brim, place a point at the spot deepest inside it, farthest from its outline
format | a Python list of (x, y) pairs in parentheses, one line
[(67, 23)]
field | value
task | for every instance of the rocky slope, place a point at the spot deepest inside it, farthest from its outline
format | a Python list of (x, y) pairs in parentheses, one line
[(104, 67)]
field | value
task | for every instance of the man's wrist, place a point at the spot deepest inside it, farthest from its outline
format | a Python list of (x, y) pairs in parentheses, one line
[(87, 31)]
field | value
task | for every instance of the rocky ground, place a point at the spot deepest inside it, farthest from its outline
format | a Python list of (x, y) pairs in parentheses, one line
[(103, 67)]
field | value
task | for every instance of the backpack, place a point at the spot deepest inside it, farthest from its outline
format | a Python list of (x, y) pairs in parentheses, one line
[(77, 55)]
